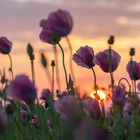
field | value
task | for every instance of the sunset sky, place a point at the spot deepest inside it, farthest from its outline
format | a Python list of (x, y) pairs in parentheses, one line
[(94, 21)]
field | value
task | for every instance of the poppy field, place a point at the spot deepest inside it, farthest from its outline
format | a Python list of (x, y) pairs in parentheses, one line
[(68, 114)]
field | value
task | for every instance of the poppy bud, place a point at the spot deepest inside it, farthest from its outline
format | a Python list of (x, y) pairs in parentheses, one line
[(132, 52), (43, 60), (111, 40), (30, 51), (53, 63)]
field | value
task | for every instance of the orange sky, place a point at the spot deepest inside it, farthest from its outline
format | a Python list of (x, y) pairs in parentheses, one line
[(94, 21)]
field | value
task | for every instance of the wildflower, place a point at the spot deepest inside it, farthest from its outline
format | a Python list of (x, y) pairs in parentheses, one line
[(21, 88), (138, 86), (91, 107), (60, 22), (44, 94), (68, 108), (133, 69), (118, 95), (84, 57), (102, 59), (49, 36), (89, 130), (127, 109), (24, 114), (5, 45), (35, 122), (50, 125), (137, 97)]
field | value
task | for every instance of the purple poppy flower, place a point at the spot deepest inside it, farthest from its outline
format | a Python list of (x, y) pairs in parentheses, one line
[(139, 108), (44, 24), (118, 95), (137, 94), (50, 125), (138, 86), (91, 107), (84, 57), (133, 69), (5, 45), (127, 109), (21, 88), (49, 37), (68, 108), (59, 21), (44, 94), (102, 59), (24, 114), (89, 130)]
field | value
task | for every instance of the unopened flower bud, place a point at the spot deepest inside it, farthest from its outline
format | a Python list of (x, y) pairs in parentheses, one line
[(43, 60), (53, 63), (111, 40), (30, 51), (132, 52)]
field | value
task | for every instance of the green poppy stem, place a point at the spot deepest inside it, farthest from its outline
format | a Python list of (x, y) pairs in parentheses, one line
[(33, 71), (110, 68), (112, 80), (53, 82), (63, 61), (70, 59), (135, 86), (57, 68), (127, 83), (94, 74), (11, 66)]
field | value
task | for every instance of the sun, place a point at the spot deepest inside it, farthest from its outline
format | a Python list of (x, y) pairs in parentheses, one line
[(101, 94)]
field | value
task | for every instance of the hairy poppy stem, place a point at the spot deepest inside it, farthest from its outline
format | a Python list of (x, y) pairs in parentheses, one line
[(53, 82), (63, 61), (33, 71), (132, 76), (110, 68), (95, 86), (127, 83), (57, 68), (135, 86), (112, 80), (70, 59), (11, 66)]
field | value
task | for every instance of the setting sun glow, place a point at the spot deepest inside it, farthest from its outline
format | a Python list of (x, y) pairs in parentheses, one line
[(101, 94)]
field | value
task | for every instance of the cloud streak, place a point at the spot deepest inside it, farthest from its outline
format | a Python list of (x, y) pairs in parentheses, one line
[(95, 17)]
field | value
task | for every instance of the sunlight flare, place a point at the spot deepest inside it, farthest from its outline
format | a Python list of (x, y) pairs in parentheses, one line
[(100, 93)]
